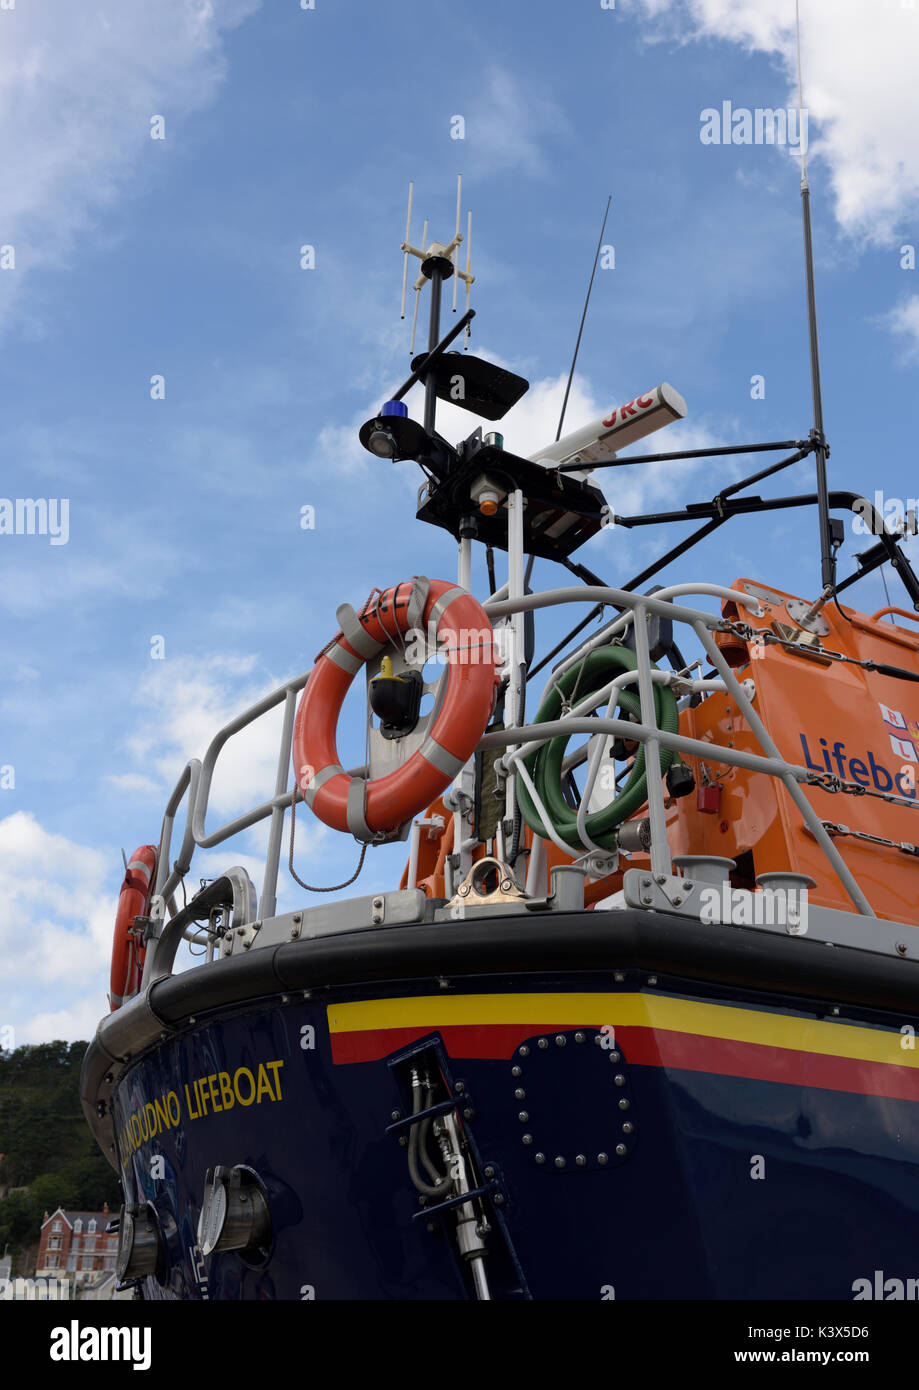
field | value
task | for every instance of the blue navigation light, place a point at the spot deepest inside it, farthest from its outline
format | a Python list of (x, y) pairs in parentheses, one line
[(394, 408)]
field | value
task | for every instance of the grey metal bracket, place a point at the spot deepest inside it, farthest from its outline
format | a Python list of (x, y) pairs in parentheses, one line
[(684, 897)]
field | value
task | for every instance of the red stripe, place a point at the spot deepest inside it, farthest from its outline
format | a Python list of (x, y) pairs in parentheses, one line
[(490, 1040), (651, 1047)]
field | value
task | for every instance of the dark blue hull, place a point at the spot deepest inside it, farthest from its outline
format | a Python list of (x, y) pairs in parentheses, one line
[(675, 1139)]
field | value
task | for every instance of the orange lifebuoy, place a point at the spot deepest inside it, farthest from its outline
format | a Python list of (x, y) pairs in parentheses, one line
[(127, 952), (367, 808)]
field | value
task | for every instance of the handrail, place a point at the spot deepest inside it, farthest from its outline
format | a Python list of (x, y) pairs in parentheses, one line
[(900, 612), (194, 783)]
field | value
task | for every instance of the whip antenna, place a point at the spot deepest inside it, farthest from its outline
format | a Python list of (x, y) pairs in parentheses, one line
[(827, 558), (561, 418)]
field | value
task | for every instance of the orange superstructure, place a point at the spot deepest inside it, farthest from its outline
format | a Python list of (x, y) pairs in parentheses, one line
[(836, 718)]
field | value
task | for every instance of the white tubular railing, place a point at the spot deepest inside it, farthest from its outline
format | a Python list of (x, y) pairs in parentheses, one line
[(194, 784), (196, 779), (647, 732)]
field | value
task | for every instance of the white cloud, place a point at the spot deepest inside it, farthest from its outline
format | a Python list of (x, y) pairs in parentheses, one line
[(860, 89), (903, 321), (183, 702), (78, 86), (58, 901), (508, 125), (57, 915)]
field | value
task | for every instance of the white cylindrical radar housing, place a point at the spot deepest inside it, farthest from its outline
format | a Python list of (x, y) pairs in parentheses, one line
[(624, 424)]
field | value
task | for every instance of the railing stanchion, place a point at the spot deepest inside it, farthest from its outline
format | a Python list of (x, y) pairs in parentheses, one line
[(660, 850)]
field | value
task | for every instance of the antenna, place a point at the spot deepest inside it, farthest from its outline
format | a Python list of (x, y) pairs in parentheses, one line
[(408, 237), (438, 263), (561, 418), (821, 451)]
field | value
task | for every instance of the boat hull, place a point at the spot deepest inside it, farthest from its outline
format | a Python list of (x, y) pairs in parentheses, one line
[(652, 1116)]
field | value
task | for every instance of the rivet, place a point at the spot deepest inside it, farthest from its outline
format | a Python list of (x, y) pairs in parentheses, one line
[(395, 1114), (460, 1087), (619, 1079), (467, 1113), (285, 999), (515, 1071), (489, 1172), (542, 1043), (835, 1011), (498, 1199), (598, 1038), (559, 1162), (560, 1040), (528, 1139), (624, 1104), (540, 1158), (579, 1037), (580, 1160), (603, 1159), (652, 979), (618, 977), (523, 1117), (621, 1150), (524, 1051), (614, 1056), (901, 948), (520, 1094), (403, 1141), (628, 1127)]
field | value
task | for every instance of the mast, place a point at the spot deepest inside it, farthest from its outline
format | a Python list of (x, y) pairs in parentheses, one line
[(821, 451)]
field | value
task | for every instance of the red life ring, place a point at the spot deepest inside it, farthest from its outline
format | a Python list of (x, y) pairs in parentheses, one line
[(362, 807), (127, 953)]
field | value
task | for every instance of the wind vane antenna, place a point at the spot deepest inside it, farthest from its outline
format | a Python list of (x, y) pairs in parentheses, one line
[(406, 243), (456, 237), (438, 259), (827, 558), (561, 418), (468, 277)]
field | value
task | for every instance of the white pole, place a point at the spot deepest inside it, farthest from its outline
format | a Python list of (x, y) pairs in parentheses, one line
[(514, 699)]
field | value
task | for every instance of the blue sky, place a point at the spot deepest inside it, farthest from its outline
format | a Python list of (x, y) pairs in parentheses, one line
[(181, 257)]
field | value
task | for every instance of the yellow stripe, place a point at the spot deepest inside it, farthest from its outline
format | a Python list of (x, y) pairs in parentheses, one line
[(627, 1010)]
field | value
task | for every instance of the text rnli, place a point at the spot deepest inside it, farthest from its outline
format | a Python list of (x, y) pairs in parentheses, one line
[(204, 1095)]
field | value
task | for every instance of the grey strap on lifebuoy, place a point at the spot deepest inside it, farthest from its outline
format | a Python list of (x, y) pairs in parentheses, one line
[(318, 780), (356, 634), (443, 603), (355, 808), (421, 587), (346, 660), (447, 763)]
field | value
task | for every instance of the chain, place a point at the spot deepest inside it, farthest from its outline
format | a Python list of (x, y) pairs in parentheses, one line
[(763, 637), (903, 845), (829, 782)]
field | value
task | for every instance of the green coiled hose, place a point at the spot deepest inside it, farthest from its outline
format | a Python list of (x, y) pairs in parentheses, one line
[(544, 764)]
